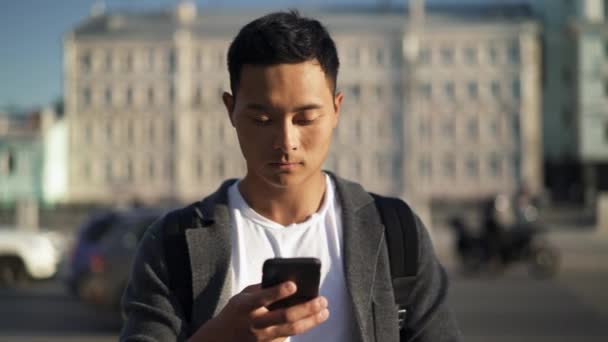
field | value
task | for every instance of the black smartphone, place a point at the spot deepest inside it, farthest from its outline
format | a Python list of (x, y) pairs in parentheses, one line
[(304, 272)]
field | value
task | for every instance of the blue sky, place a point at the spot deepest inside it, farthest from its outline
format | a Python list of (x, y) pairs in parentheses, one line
[(31, 39)]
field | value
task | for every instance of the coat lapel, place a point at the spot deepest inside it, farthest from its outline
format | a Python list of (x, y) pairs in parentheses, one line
[(209, 248), (363, 238)]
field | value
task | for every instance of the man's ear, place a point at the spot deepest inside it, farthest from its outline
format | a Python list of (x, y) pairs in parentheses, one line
[(337, 106), (229, 104)]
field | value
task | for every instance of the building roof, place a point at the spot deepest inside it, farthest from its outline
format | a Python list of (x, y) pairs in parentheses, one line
[(162, 25)]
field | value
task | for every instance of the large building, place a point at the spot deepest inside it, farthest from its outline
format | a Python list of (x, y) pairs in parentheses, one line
[(457, 118), (575, 88)]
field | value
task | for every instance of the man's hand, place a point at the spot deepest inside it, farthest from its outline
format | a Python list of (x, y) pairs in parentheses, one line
[(246, 318)]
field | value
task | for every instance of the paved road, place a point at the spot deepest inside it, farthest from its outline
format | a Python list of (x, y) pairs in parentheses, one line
[(510, 307)]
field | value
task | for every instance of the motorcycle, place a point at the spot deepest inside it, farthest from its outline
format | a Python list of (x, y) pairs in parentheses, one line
[(498, 245)]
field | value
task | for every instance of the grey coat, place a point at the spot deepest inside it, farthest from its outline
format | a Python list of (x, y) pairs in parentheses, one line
[(154, 314)]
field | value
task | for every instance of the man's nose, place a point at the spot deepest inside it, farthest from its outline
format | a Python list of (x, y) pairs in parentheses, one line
[(286, 137)]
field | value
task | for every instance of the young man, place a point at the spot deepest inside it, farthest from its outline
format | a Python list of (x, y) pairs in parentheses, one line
[(284, 107)]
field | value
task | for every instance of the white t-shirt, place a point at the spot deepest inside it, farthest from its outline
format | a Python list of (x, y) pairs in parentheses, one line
[(256, 238)]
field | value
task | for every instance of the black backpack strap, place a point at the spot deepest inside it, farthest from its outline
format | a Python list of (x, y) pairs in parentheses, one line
[(402, 243), (401, 235), (177, 256)]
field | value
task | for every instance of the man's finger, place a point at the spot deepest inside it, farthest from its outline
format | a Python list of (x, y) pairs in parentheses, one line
[(298, 327), (290, 314), (265, 297)]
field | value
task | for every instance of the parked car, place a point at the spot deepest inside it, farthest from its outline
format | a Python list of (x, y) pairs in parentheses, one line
[(103, 255), (28, 255), (86, 245)]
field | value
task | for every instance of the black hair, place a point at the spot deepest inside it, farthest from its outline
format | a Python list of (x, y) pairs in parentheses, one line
[(282, 38)]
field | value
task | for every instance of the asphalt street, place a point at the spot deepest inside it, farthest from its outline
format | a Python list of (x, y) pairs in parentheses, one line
[(491, 308)]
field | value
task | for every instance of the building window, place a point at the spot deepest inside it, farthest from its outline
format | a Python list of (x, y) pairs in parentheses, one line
[(198, 60), (199, 168), (494, 128), (150, 96), (86, 61), (109, 171), (516, 126), (86, 96), (8, 162), (424, 56), (493, 54), (171, 60), (473, 129), (567, 76), (109, 132), (473, 167), (129, 170), (426, 167), (129, 62), (108, 61), (606, 132), (495, 167), (355, 92), (426, 90), (169, 169), (449, 90), (354, 56), (88, 133), (151, 169), (495, 89), (473, 89), (516, 88), (198, 96), (606, 88), (449, 129), (108, 96), (171, 131), (358, 130), (130, 133), (449, 167), (380, 56), (514, 52), (152, 132), (424, 127), (129, 96), (470, 55), (199, 130), (171, 94), (447, 55), (86, 171), (151, 59), (379, 93)]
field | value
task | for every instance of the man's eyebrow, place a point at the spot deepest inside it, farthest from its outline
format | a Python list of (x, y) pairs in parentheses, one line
[(306, 107), (257, 106), (302, 108)]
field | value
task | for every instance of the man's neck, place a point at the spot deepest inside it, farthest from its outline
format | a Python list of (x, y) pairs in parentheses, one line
[(288, 205)]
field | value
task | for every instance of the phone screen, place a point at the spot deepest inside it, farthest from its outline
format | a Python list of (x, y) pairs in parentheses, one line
[(304, 272)]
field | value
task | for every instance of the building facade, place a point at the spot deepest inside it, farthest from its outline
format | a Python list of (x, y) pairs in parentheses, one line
[(461, 121), (21, 158), (575, 92)]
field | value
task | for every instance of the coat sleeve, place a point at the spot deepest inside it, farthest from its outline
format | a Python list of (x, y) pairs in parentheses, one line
[(429, 318), (151, 311)]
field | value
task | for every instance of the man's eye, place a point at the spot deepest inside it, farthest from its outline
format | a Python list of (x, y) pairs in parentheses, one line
[(261, 120), (305, 122)]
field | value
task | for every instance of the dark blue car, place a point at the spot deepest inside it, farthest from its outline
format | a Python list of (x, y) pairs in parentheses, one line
[(103, 255)]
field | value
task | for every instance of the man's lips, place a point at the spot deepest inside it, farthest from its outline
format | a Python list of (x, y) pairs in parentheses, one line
[(285, 165)]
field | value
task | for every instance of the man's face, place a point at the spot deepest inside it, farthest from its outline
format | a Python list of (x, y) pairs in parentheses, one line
[(284, 117)]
